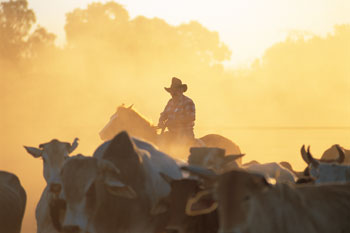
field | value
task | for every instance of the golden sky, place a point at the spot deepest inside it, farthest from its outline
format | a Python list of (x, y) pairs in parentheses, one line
[(248, 27), (301, 82)]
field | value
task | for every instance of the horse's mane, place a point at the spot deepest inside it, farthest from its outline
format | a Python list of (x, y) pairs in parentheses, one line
[(135, 115)]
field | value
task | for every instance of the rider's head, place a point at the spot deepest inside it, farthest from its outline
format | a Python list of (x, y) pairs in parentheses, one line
[(175, 93), (177, 88)]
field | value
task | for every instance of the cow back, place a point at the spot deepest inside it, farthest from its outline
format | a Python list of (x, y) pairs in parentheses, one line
[(12, 203)]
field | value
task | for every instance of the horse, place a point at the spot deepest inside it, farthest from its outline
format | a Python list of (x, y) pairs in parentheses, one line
[(128, 119)]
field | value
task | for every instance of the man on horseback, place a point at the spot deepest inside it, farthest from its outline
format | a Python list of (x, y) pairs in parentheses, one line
[(179, 114)]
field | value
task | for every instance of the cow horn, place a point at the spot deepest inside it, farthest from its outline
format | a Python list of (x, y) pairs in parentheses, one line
[(313, 161), (307, 157), (341, 156), (130, 106), (304, 154), (229, 158), (74, 145)]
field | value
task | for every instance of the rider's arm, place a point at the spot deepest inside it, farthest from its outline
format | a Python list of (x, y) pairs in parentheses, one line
[(164, 115)]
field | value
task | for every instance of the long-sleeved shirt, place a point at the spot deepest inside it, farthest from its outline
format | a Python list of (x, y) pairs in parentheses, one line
[(179, 115)]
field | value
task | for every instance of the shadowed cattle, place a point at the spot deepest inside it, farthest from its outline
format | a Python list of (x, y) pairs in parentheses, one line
[(247, 203), (175, 207), (12, 203), (325, 172), (53, 154), (115, 191), (272, 171), (216, 160)]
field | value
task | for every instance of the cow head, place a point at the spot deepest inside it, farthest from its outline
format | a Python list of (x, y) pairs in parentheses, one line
[(86, 183), (53, 154), (234, 194), (323, 170)]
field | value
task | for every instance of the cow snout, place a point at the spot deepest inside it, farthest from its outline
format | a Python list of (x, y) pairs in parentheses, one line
[(55, 188), (71, 229)]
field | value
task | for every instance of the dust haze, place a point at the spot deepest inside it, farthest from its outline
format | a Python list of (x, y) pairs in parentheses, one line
[(65, 92)]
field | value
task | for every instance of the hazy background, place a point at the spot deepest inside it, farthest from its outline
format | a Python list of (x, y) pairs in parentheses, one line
[(296, 92), (248, 27)]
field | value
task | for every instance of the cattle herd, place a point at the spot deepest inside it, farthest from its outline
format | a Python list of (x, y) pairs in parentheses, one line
[(129, 186)]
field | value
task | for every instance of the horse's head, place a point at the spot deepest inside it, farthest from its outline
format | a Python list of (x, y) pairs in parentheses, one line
[(127, 119)]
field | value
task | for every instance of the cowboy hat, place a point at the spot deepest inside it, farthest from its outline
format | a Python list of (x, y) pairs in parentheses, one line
[(176, 84)]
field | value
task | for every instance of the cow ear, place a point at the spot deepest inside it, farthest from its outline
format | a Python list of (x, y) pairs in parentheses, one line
[(261, 182), (201, 172), (117, 188), (35, 152), (202, 203), (73, 146)]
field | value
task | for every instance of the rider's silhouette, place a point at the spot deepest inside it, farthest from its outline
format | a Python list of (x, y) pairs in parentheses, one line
[(179, 114)]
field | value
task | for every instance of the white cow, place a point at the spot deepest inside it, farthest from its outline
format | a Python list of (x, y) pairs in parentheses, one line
[(115, 190), (53, 154), (273, 171), (326, 172)]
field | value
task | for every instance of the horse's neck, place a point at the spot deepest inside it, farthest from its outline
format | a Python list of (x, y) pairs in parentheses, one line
[(144, 132)]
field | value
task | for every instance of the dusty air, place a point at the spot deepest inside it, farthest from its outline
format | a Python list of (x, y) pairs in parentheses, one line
[(174, 116)]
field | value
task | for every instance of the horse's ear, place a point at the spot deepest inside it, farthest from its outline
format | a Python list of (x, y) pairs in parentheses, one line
[(130, 107)]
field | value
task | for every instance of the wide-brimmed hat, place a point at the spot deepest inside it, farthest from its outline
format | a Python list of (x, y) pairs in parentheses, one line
[(176, 84)]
